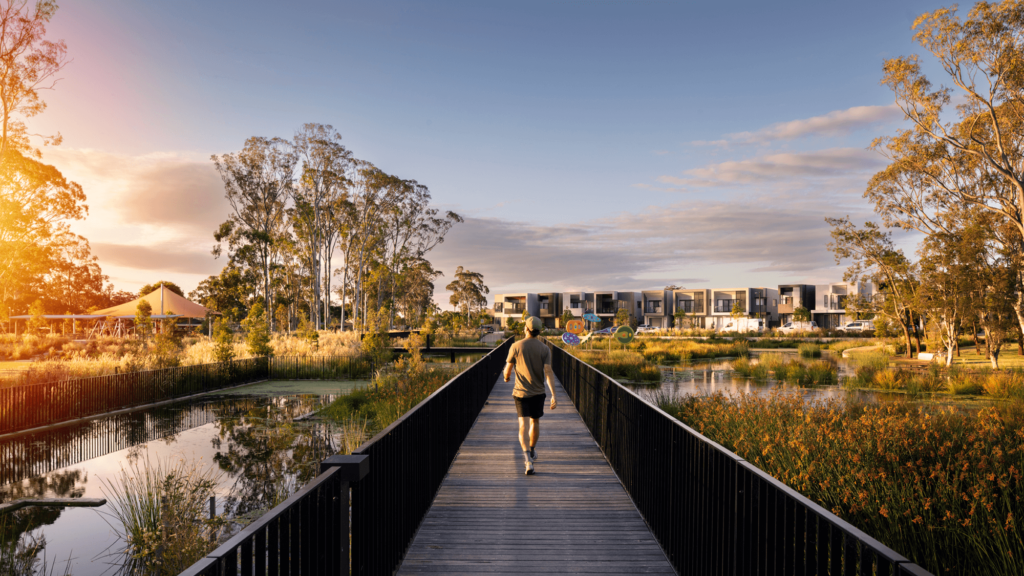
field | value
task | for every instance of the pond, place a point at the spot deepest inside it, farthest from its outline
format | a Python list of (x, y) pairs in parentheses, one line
[(255, 435), (699, 377)]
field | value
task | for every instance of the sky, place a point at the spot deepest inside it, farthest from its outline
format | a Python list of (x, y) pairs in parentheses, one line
[(588, 145)]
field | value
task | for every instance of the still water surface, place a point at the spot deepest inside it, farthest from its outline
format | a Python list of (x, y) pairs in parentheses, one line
[(250, 434)]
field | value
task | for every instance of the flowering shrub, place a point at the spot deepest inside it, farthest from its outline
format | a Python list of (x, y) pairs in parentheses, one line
[(942, 488)]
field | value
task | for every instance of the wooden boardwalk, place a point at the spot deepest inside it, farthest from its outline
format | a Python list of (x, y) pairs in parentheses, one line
[(571, 517)]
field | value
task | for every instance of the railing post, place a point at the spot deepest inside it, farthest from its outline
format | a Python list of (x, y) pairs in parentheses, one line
[(351, 469)]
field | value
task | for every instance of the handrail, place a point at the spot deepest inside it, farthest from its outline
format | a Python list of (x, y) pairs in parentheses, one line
[(390, 482), (306, 534), (712, 511), (408, 461)]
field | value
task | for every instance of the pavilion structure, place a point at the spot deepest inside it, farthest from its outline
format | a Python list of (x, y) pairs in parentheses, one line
[(118, 320)]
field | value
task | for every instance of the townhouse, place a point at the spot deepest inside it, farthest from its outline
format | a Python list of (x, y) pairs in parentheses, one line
[(826, 302), (704, 307)]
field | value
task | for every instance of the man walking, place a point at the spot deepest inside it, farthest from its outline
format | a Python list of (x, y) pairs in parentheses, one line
[(531, 360)]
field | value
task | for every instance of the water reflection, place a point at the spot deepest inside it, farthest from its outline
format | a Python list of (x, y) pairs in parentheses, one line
[(262, 445), (717, 376)]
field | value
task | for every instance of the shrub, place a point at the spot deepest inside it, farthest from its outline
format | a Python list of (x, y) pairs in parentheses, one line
[(809, 350), (891, 379), (161, 512), (258, 332), (622, 364), (940, 487)]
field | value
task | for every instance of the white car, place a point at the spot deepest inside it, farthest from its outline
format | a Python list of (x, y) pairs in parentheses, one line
[(646, 328), (857, 326), (799, 326)]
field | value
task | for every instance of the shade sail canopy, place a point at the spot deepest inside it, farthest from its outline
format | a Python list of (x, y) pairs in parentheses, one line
[(164, 302)]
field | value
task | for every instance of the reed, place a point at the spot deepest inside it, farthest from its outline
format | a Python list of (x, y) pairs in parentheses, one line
[(941, 487), (622, 364), (159, 510), (809, 350)]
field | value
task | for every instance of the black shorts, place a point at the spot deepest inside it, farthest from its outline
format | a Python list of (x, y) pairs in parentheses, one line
[(531, 406)]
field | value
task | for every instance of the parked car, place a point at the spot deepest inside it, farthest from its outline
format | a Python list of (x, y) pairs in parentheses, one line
[(811, 326), (744, 325), (857, 326), (646, 328)]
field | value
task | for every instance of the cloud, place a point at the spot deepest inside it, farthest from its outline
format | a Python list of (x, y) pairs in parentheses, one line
[(175, 191), (836, 123), (756, 241), (790, 166), (160, 258)]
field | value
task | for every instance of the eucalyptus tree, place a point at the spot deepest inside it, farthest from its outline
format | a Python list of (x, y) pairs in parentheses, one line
[(468, 291), (975, 155), (322, 183), (875, 258), (257, 184), (411, 229), (372, 193)]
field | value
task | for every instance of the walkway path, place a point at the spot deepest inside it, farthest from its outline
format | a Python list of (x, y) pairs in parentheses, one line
[(572, 516)]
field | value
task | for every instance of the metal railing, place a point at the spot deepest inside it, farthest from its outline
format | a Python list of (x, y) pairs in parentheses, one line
[(690, 306), (306, 534), (389, 482), (713, 512), (33, 405), (652, 309), (408, 461)]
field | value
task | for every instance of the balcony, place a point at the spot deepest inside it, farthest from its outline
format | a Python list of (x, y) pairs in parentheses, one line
[(725, 306), (546, 309), (514, 308), (690, 306), (607, 309), (653, 308)]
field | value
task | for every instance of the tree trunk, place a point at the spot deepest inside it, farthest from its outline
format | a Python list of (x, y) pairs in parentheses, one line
[(906, 336), (974, 334)]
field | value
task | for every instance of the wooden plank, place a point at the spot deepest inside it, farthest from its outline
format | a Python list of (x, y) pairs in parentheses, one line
[(571, 517), (61, 502)]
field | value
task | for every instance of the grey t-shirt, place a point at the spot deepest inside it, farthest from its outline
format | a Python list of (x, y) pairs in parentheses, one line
[(529, 357)]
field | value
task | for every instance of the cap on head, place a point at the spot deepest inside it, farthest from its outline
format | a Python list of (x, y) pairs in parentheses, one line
[(534, 323)]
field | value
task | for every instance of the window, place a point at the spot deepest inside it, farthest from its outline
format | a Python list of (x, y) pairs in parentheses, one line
[(775, 302)]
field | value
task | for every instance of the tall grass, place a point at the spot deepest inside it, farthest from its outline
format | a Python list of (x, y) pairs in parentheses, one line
[(808, 350), (793, 371), (23, 553), (159, 511), (392, 393), (66, 359), (673, 351), (942, 488), (621, 364), (867, 366)]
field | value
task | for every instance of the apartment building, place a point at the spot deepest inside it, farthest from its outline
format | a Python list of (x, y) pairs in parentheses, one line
[(826, 302), (704, 307), (694, 302), (656, 308), (759, 302), (512, 306)]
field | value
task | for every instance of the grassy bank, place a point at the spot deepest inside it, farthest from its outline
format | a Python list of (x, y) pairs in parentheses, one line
[(785, 368), (941, 488), (673, 351), (874, 371), (621, 364), (58, 358), (390, 395)]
